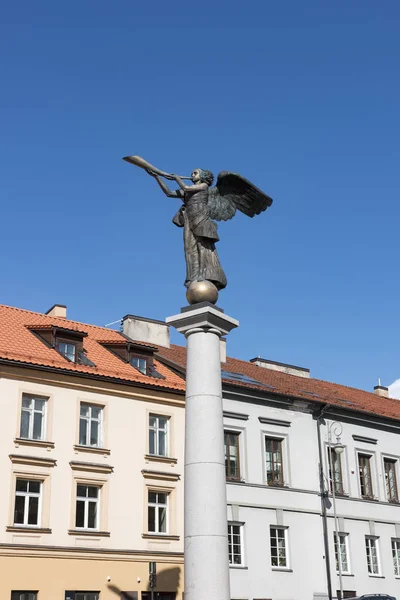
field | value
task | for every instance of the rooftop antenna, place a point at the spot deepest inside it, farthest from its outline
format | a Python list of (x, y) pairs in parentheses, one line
[(379, 381), (112, 323)]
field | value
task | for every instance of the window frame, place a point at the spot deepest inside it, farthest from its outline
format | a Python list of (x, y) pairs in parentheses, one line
[(68, 342), (282, 441), (285, 529), (156, 506), (34, 594), (396, 558), (375, 539), (39, 495), (156, 429), (86, 500), (346, 537), (32, 412), (101, 433), (139, 357), (240, 526), (392, 461), (334, 456), (228, 431), (365, 455)]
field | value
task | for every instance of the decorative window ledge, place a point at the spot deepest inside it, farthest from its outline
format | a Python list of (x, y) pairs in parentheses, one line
[(283, 569), (88, 533), (37, 461), (91, 467), (93, 449), (161, 536), (162, 459), (37, 443), (25, 529), (160, 475), (235, 415)]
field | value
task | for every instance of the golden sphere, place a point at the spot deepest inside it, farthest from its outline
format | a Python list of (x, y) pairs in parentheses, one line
[(202, 291)]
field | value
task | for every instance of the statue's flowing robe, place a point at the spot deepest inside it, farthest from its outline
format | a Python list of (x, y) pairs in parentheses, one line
[(199, 235)]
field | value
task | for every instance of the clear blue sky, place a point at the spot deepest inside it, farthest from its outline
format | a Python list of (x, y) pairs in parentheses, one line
[(302, 98)]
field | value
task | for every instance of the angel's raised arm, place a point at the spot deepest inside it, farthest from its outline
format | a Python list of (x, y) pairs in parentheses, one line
[(166, 190)]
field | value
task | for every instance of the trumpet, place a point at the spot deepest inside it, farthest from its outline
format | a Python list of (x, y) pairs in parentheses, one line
[(138, 161)]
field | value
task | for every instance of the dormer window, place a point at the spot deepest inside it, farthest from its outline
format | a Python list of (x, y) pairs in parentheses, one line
[(140, 364), (67, 349), (67, 342)]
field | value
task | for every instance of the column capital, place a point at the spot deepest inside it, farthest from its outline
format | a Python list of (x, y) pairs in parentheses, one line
[(204, 317)]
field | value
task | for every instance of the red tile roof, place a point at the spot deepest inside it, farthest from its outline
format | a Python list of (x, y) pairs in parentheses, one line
[(18, 343), (308, 389)]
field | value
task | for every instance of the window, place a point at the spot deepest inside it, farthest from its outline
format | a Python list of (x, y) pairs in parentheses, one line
[(33, 418), (364, 466), (140, 364), (396, 557), (335, 465), (342, 553), (27, 502), (390, 479), (232, 461), (235, 544), (371, 547), (158, 435), (87, 507), (273, 460), (67, 349), (157, 512), (279, 555), (24, 595), (90, 425)]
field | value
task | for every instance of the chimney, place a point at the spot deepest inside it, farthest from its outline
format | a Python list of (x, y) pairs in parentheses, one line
[(282, 367), (381, 390), (140, 329), (57, 310)]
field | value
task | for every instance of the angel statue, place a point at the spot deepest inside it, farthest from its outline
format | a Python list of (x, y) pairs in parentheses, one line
[(202, 203)]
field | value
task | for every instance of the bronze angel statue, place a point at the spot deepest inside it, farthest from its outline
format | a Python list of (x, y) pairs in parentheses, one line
[(202, 205)]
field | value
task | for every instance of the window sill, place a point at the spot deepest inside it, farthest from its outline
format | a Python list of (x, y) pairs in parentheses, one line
[(376, 576), (282, 569), (163, 459), (38, 443), (88, 532), (27, 529), (345, 574), (160, 536), (93, 449), (242, 567)]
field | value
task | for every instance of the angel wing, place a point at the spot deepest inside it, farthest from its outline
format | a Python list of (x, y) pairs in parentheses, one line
[(233, 192)]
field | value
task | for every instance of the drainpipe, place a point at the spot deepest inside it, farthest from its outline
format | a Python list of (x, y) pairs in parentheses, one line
[(323, 495)]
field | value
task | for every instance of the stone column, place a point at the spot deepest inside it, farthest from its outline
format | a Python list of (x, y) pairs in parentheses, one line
[(206, 536)]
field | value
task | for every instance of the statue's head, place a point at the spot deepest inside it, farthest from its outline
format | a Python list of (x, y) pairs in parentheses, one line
[(203, 176)]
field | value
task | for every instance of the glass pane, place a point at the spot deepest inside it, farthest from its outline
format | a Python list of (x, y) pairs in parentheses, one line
[(162, 498), (81, 491), (162, 520), (39, 404), (93, 492), (152, 441), (152, 497), (151, 519), (96, 412), (34, 486), (37, 426), (161, 443), (153, 421), (84, 410), (26, 401), (80, 514), (82, 432), (24, 433), (33, 511), (21, 485), (19, 509), (92, 518), (94, 433)]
